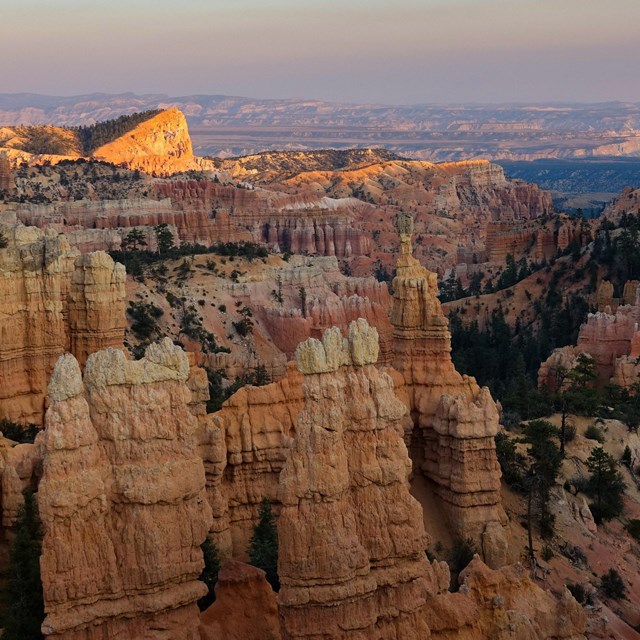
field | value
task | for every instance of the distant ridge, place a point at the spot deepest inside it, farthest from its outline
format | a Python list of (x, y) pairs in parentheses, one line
[(154, 141), (227, 126)]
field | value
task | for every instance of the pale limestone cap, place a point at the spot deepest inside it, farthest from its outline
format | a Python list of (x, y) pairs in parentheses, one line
[(66, 379), (359, 348), (162, 361)]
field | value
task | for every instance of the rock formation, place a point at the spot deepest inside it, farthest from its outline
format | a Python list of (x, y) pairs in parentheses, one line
[(612, 340), (453, 421), (245, 607), (6, 179), (160, 145), (351, 539), (510, 605), (244, 447), (332, 300), (561, 360), (122, 499), (52, 300)]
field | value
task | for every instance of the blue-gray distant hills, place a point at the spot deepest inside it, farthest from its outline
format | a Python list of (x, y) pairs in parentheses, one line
[(230, 126)]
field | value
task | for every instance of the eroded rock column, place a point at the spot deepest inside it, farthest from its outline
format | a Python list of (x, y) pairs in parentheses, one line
[(352, 562), (122, 499)]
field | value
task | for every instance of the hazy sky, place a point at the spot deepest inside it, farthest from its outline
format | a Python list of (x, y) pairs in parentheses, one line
[(392, 51)]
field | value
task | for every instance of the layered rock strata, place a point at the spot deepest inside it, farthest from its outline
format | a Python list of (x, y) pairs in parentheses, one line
[(612, 340), (245, 607), (453, 421), (122, 499), (52, 300), (244, 447), (351, 538)]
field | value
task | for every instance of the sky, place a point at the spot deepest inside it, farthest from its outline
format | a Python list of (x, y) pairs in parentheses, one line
[(378, 51)]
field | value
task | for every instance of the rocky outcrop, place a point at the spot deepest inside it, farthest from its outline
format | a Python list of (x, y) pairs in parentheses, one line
[(244, 447), (510, 605), (453, 421), (160, 145), (611, 339), (351, 540), (626, 372), (331, 300), (20, 469), (52, 300), (122, 499), (6, 179), (552, 369), (531, 238), (604, 300), (606, 338), (245, 607)]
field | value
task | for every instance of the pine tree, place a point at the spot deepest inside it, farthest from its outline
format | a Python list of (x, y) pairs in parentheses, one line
[(606, 485), (164, 238), (24, 599), (135, 239), (209, 574), (263, 547)]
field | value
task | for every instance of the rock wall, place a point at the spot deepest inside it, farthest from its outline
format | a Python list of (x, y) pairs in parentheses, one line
[(244, 447), (122, 499), (611, 339), (52, 300), (453, 421), (538, 241)]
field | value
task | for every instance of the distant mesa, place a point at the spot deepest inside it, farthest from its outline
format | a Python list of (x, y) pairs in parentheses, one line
[(156, 142)]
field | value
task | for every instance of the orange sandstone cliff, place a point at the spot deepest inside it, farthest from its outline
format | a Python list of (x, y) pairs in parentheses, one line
[(52, 300), (160, 145), (453, 421), (122, 499)]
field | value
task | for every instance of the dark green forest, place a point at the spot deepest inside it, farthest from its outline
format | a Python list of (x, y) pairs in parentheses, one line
[(93, 136)]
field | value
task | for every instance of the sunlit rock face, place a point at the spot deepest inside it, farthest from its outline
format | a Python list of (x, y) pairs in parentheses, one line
[(453, 421), (351, 538), (52, 300), (122, 499)]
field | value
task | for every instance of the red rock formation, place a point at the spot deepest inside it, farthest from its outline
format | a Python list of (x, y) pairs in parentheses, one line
[(349, 299), (451, 434), (535, 239), (605, 338), (122, 499), (351, 540), (612, 340), (245, 606), (52, 300), (244, 447)]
